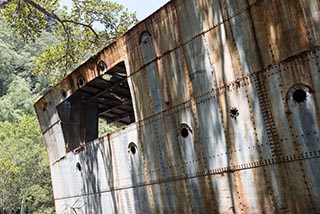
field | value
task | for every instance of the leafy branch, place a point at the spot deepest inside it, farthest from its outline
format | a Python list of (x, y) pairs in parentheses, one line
[(65, 28), (74, 30)]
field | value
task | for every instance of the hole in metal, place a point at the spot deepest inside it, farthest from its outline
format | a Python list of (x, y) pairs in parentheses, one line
[(299, 95), (81, 82), (184, 132), (101, 66), (64, 93), (234, 112), (132, 148), (78, 166)]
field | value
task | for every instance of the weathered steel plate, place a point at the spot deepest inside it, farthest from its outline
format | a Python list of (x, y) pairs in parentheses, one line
[(225, 97)]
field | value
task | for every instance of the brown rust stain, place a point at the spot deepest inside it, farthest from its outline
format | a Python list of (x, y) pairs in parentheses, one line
[(281, 61)]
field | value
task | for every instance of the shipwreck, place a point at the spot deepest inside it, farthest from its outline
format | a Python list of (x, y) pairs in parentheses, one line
[(220, 112)]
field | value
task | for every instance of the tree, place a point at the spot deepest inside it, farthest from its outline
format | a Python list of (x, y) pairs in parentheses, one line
[(81, 31), (24, 172), (54, 40), (16, 57), (17, 102)]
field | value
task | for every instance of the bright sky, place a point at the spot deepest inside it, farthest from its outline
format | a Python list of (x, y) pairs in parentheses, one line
[(144, 8)]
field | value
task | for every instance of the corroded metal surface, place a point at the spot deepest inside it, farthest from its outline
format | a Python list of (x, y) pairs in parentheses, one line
[(225, 96)]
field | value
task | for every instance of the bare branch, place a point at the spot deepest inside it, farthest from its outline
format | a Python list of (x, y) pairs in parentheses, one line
[(84, 25)]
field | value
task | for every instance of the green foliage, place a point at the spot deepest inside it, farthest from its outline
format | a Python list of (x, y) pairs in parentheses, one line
[(16, 58), (112, 17), (40, 42), (87, 27), (25, 19), (105, 128), (17, 102), (5, 71), (24, 172)]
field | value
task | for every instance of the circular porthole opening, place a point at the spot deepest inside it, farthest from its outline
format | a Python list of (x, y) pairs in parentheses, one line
[(81, 82), (102, 66), (299, 95), (64, 93), (132, 148), (184, 132)]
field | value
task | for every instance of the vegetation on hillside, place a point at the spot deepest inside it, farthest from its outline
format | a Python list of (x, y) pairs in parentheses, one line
[(41, 42)]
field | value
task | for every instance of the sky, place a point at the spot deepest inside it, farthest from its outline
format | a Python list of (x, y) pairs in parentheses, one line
[(144, 8)]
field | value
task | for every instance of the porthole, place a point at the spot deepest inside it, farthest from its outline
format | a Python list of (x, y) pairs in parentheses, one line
[(132, 148), (81, 82), (145, 38), (185, 131), (298, 93), (102, 66), (63, 93)]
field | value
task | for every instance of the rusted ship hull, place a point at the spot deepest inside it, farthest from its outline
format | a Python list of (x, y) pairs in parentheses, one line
[(221, 102)]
